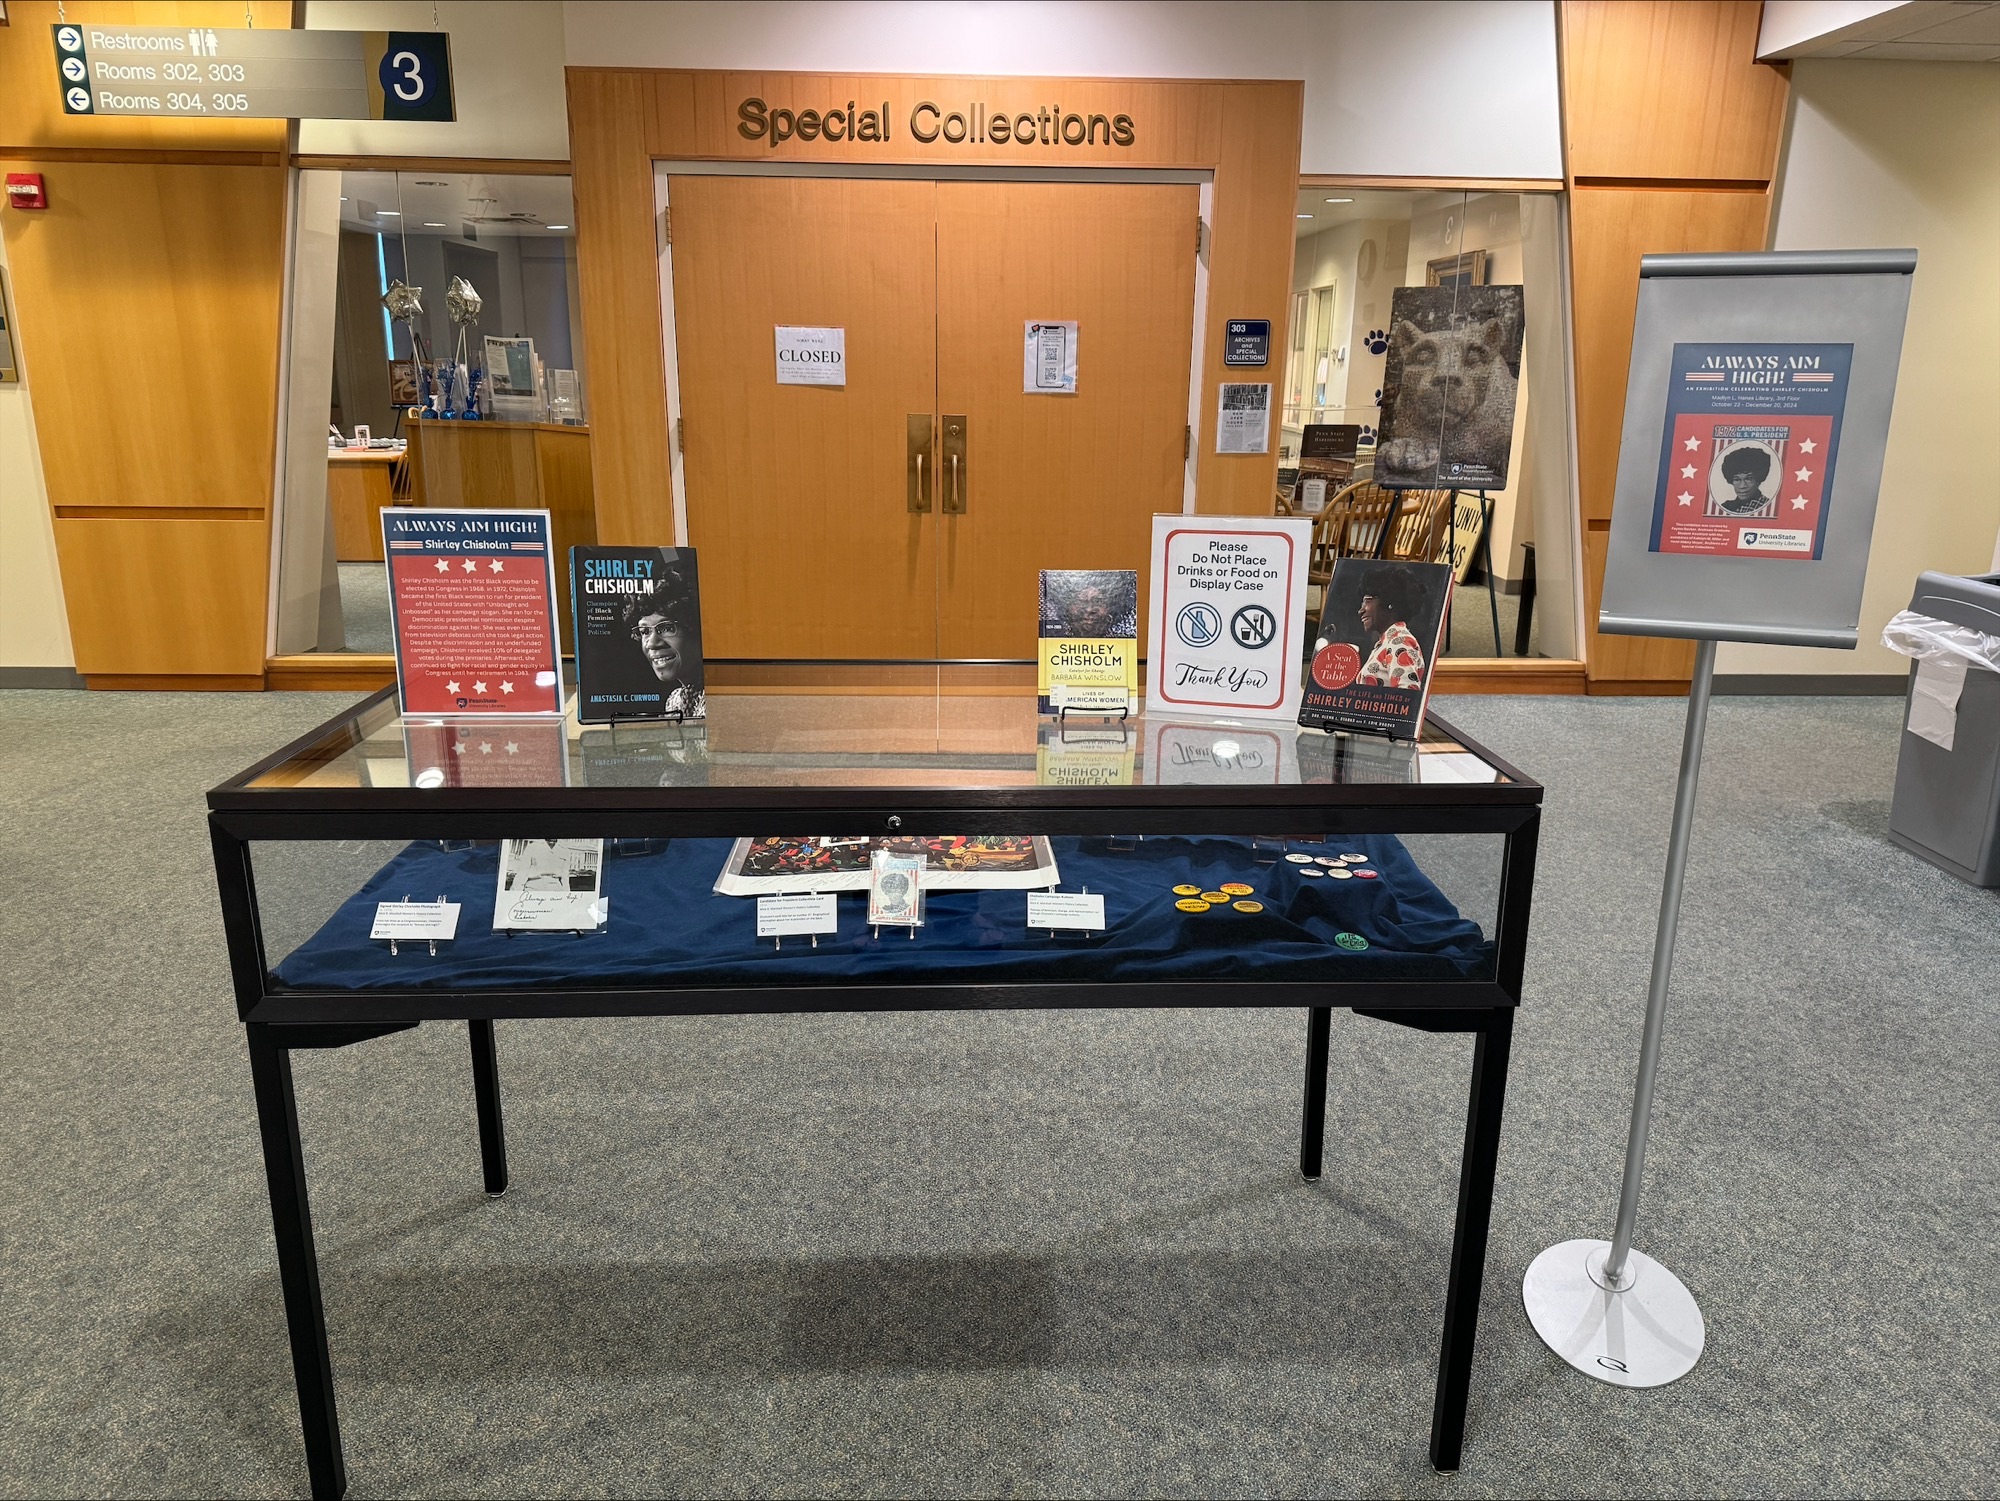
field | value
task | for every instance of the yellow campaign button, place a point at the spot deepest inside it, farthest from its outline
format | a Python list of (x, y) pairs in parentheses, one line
[(1249, 906), (1192, 904), (1215, 898), (1187, 891), (1237, 888)]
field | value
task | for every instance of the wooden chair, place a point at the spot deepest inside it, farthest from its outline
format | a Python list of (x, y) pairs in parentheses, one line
[(1421, 528), (1362, 510)]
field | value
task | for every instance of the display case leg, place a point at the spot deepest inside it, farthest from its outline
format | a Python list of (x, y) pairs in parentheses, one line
[(1484, 1103), (1312, 1125), (298, 1262), (486, 1095)]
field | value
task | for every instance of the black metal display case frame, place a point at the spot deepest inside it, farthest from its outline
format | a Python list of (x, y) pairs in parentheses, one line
[(253, 807)]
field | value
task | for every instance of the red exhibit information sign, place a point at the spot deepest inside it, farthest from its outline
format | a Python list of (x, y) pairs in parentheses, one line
[(472, 597)]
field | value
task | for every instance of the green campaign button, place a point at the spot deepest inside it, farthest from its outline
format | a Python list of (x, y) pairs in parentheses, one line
[(1352, 941)]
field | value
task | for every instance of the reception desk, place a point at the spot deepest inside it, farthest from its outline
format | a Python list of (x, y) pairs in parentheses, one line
[(359, 483), (510, 465)]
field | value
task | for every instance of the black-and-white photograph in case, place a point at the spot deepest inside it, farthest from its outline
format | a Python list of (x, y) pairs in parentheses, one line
[(549, 884), (1448, 388)]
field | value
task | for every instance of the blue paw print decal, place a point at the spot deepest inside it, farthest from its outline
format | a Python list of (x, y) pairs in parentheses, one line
[(1376, 341), (1378, 396), (1367, 434)]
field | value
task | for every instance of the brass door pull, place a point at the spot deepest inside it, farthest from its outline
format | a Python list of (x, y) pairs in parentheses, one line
[(955, 495), (918, 488)]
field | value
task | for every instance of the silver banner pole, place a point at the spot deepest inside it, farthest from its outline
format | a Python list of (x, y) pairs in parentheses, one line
[(1610, 1311)]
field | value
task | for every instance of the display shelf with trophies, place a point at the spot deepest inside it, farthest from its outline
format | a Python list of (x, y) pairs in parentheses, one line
[(664, 868)]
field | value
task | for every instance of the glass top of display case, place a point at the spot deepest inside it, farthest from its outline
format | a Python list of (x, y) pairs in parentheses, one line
[(862, 743)]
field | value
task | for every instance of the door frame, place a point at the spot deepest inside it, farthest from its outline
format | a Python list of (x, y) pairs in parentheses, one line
[(1202, 180)]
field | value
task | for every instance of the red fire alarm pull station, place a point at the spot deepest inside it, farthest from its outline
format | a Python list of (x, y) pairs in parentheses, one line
[(25, 190)]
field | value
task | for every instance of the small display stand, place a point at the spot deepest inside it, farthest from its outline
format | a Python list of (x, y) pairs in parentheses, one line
[(1775, 370)]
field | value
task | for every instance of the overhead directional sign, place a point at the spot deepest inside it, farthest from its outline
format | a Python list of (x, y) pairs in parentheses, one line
[(201, 72)]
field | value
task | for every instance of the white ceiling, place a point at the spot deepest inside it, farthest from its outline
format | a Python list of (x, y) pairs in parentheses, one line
[(1922, 31), (441, 203)]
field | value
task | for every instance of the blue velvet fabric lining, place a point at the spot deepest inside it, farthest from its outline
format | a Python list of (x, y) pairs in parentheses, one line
[(668, 928)]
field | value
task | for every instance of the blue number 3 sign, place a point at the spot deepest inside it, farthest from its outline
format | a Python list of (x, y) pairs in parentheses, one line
[(414, 77)]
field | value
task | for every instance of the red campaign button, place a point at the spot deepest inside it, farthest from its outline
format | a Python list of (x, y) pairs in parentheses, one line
[(1369, 875), (1336, 664)]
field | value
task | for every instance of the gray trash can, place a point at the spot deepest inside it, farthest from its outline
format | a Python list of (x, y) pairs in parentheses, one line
[(1947, 802)]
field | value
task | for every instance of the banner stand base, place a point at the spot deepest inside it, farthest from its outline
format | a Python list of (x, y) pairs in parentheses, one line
[(1648, 1333)]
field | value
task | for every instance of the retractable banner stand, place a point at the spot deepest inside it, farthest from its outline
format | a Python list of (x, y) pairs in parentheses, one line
[(1756, 416)]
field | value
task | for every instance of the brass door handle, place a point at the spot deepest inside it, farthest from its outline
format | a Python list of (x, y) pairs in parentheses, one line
[(955, 497), (918, 436)]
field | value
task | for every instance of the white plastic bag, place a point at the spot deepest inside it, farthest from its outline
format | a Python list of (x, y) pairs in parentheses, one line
[(1944, 653)]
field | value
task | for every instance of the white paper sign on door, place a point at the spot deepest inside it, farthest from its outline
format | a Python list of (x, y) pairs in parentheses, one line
[(1243, 419), (812, 356), (1226, 626), (1048, 358)]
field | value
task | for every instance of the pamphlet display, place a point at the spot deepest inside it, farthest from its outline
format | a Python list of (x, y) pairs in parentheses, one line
[(1088, 651), (1048, 358), (1243, 418), (1448, 388), (638, 633), (1226, 619), (1376, 647), (472, 603), (549, 884), (994, 862)]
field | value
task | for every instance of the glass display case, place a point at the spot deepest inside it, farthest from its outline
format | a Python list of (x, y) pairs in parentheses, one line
[(731, 866)]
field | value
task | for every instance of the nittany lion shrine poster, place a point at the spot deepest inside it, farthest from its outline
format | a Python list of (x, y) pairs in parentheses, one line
[(1747, 452)]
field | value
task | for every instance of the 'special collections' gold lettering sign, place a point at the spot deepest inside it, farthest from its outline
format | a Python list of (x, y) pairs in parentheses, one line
[(975, 124)]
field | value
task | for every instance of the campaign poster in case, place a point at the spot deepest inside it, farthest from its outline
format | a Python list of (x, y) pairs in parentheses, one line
[(1746, 458), (638, 633), (1226, 616), (472, 603), (1448, 388), (1376, 647), (1088, 651)]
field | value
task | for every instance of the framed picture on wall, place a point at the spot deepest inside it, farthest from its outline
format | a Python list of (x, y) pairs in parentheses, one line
[(1467, 270)]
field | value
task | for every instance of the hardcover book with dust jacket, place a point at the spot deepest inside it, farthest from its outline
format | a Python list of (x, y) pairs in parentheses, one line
[(1376, 646), (638, 633)]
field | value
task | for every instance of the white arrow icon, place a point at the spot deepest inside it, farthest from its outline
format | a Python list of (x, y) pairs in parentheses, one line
[(73, 69), (79, 99), (69, 38)]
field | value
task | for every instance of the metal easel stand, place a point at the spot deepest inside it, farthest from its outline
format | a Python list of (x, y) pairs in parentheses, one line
[(1610, 1311)]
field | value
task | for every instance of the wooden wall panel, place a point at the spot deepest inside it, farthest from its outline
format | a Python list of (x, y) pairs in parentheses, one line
[(165, 596), (1611, 229), (618, 275), (1672, 130), (31, 112), (1669, 89), (1246, 133), (149, 302)]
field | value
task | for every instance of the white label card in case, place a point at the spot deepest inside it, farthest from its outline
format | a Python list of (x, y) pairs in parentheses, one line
[(782, 916), (415, 920), (1066, 909)]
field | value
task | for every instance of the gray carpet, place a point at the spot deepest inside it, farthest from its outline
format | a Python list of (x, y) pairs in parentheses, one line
[(1011, 1254), (364, 607)]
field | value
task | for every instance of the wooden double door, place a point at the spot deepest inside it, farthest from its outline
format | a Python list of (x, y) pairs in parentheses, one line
[(905, 514)]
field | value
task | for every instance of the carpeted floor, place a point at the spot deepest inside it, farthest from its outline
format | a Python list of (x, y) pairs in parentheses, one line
[(1034, 1254)]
